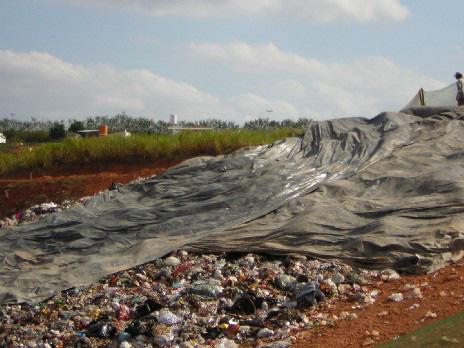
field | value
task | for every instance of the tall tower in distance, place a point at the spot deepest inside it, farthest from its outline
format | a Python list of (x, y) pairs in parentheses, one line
[(173, 120)]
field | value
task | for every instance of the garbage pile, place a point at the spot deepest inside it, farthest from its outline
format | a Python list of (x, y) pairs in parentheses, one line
[(187, 300), (38, 211)]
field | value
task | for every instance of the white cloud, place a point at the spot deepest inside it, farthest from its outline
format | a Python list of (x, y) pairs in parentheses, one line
[(310, 10), (243, 56), (363, 87), (39, 84)]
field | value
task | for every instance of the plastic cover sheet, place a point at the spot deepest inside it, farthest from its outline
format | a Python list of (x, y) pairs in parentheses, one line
[(441, 97), (379, 193)]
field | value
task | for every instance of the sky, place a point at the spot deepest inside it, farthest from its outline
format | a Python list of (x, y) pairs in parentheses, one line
[(228, 59)]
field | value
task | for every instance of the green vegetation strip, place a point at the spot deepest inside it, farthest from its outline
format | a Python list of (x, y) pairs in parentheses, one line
[(448, 332), (138, 148)]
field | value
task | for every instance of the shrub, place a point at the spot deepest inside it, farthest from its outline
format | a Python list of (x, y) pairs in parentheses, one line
[(57, 131), (22, 136), (76, 126)]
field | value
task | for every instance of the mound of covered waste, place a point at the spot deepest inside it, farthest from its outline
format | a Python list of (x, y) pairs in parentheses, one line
[(375, 193)]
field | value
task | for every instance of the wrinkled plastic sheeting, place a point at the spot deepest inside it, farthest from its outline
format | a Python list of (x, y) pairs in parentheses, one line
[(384, 192), (403, 212)]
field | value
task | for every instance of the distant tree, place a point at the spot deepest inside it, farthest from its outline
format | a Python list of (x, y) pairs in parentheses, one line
[(259, 123), (57, 131), (19, 129), (76, 126)]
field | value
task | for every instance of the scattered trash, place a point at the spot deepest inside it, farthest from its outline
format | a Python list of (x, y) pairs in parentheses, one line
[(167, 317), (286, 282), (276, 344), (309, 295), (265, 333), (102, 330), (148, 307), (137, 328), (446, 339), (188, 300), (123, 312), (226, 343), (124, 336), (206, 289), (389, 275), (115, 186), (244, 305), (348, 316), (415, 294), (338, 278), (38, 211), (396, 297), (368, 342), (171, 261)]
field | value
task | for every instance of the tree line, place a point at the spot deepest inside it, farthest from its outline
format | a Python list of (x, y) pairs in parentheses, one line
[(42, 131)]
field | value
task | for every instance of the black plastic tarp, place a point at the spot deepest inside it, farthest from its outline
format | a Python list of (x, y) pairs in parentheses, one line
[(378, 193)]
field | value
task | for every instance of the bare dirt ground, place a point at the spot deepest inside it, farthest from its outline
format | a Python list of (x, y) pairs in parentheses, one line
[(443, 292), (443, 295), (23, 191)]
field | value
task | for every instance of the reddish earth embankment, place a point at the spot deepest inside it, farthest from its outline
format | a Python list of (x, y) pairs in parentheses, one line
[(23, 191)]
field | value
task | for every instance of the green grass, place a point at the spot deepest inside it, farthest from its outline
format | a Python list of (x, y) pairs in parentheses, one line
[(448, 332), (135, 149)]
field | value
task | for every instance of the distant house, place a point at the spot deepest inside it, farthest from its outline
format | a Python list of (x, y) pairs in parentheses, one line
[(2, 139), (88, 133), (72, 135), (102, 131)]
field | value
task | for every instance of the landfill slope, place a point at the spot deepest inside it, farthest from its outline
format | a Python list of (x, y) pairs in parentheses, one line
[(379, 193)]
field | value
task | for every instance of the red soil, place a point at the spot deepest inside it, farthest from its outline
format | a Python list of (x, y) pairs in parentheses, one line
[(25, 190), (444, 296)]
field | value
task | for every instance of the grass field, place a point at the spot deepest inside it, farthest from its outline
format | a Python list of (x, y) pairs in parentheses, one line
[(444, 333), (135, 149)]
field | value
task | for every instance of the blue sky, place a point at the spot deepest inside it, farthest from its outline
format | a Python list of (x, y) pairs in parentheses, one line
[(224, 59)]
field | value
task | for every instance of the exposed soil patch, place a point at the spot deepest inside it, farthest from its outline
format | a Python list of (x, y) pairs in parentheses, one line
[(23, 191), (385, 320)]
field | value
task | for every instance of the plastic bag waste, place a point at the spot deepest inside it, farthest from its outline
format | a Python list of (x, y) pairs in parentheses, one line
[(309, 295)]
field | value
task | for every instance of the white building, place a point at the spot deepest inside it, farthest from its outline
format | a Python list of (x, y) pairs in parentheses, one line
[(2, 139), (173, 120)]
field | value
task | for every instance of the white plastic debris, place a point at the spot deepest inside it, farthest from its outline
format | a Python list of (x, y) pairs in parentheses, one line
[(397, 297), (265, 333), (165, 316), (171, 261)]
